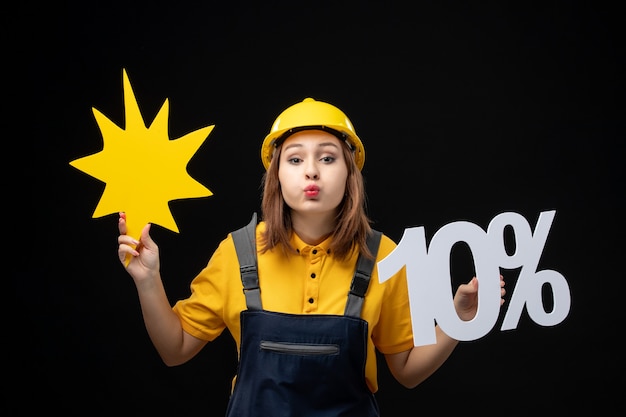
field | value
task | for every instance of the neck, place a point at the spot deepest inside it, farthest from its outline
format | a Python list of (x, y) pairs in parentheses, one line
[(313, 229)]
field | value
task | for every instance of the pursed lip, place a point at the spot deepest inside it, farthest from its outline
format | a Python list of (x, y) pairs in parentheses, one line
[(312, 187), (311, 190)]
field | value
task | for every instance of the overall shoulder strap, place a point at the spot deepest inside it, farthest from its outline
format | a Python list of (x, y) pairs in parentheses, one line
[(362, 275), (245, 244)]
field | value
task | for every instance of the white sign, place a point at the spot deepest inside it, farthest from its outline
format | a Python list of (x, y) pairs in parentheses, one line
[(430, 286)]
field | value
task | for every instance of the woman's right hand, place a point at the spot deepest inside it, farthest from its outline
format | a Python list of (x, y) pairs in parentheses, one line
[(141, 258)]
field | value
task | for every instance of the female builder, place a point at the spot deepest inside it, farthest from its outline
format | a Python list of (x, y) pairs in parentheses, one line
[(307, 333)]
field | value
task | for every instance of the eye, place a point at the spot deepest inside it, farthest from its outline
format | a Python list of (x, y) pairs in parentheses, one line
[(295, 160), (327, 159)]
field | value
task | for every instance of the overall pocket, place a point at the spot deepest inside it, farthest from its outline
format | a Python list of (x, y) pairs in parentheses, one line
[(299, 348)]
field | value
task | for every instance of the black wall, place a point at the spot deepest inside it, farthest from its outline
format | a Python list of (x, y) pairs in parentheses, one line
[(466, 111)]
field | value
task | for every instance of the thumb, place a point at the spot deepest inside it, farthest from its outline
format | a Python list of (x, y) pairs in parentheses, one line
[(473, 283), (146, 239), (470, 288)]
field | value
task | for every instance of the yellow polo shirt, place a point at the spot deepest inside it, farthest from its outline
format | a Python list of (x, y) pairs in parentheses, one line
[(310, 282)]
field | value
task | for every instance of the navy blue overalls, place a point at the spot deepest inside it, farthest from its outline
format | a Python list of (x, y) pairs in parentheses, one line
[(300, 365)]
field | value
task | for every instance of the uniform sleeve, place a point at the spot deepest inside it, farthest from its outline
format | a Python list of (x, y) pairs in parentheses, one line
[(393, 332), (203, 313)]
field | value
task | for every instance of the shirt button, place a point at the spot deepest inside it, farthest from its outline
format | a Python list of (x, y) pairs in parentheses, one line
[(313, 275), (314, 251), (311, 300)]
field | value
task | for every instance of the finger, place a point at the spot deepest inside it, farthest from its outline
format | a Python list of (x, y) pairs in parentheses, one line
[(121, 223), (127, 240), (473, 283), (121, 254), (470, 287), (125, 252), (146, 239)]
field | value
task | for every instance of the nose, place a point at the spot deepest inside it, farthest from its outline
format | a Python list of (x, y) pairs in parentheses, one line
[(311, 171)]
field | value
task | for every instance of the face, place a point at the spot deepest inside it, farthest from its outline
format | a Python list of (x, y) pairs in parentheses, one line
[(313, 172)]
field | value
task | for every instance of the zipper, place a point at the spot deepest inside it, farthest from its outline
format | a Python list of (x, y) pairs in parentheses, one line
[(299, 348)]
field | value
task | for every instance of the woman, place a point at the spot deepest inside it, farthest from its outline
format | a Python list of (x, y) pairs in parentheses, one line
[(308, 332)]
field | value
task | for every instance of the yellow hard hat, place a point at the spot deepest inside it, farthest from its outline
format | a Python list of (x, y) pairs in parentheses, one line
[(307, 115)]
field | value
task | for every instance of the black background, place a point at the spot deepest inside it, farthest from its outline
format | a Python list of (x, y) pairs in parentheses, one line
[(466, 110)]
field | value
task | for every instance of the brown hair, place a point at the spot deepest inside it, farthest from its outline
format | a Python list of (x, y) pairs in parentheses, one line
[(352, 222)]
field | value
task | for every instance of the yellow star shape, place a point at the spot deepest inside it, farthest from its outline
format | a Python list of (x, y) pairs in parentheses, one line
[(142, 168)]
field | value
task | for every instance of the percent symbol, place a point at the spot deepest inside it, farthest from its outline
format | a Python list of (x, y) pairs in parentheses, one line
[(528, 289)]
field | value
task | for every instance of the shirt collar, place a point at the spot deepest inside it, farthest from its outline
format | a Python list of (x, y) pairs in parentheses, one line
[(304, 248)]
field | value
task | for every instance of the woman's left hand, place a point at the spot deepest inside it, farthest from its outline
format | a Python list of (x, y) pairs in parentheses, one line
[(466, 298)]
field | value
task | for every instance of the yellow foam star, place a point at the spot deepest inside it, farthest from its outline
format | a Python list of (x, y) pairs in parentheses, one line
[(142, 168)]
